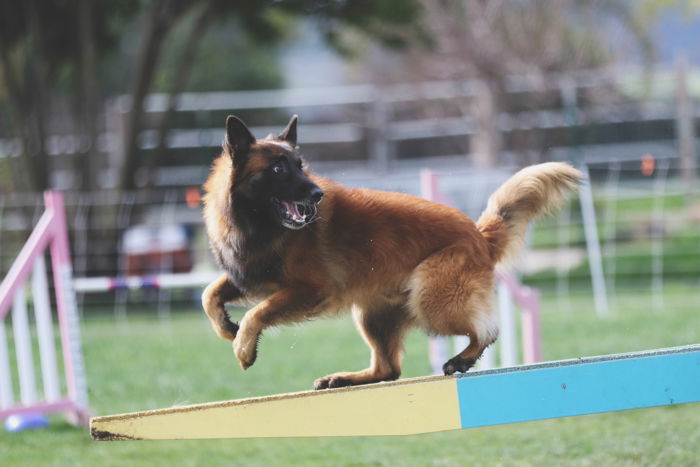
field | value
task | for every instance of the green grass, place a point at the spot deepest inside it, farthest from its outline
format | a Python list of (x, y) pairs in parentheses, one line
[(144, 363)]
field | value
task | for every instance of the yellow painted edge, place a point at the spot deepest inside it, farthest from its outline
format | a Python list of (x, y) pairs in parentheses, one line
[(418, 405)]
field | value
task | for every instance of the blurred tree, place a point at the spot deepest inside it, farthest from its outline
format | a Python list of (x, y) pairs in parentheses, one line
[(485, 41), (157, 20), (385, 20), (241, 73), (51, 49)]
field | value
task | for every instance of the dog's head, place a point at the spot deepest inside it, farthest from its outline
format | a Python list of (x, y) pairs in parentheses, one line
[(269, 175)]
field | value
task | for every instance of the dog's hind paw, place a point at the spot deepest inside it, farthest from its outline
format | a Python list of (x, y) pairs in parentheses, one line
[(331, 381), (457, 365)]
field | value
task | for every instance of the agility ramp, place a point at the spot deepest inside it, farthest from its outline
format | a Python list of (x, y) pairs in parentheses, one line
[(422, 405)]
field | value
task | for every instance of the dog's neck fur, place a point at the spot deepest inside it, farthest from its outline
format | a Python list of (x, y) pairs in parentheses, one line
[(256, 232), (256, 239)]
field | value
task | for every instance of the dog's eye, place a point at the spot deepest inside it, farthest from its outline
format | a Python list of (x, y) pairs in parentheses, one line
[(278, 168)]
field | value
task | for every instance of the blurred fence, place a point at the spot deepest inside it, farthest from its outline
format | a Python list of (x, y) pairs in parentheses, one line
[(115, 234), (648, 223), (381, 137), (381, 127)]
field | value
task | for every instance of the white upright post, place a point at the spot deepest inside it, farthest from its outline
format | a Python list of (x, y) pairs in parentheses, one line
[(657, 237), (685, 128), (609, 221), (23, 346), (507, 325), (563, 246), (44, 327), (595, 261)]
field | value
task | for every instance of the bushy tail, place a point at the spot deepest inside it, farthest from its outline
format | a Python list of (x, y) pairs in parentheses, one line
[(531, 192)]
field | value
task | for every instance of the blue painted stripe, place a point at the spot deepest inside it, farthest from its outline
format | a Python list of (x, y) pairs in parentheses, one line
[(578, 388)]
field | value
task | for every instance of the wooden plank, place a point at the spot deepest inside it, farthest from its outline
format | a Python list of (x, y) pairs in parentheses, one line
[(437, 403), (401, 407), (581, 386)]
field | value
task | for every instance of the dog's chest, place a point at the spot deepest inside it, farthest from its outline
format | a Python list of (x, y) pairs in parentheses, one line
[(251, 273)]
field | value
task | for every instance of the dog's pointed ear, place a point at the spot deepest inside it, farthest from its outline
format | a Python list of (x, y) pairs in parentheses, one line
[(238, 138), (290, 133)]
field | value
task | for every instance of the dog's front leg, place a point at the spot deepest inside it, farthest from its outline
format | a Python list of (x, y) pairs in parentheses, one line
[(289, 305), (216, 294)]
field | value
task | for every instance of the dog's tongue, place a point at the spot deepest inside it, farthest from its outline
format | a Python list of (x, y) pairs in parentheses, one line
[(292, 211)]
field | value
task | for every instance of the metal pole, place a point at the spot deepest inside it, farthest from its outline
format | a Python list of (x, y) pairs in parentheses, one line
[(593, 246), (685, 127), (657, 236), (609, 221), (507, 325)]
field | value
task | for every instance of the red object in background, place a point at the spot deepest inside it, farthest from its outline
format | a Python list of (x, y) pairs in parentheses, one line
[(157, 249), (648, 165), (193, 197)]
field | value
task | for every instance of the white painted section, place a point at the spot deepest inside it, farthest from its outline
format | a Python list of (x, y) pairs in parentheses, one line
[(44, 327), (506, 315), (23, 347), (191, 279), (164, 281), (91, 284)]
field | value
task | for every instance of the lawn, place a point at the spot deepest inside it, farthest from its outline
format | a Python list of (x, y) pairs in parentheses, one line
[(146, 363)]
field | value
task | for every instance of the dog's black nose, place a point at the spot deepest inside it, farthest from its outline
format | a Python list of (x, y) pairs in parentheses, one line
[(316, 194)]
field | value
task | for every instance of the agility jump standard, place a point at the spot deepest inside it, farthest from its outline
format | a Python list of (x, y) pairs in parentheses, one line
[(422, 405), (50, 233)]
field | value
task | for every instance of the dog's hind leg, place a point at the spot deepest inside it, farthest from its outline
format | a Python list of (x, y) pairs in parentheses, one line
[(216, 294), (480, 324), (452, 294), (383, 328)]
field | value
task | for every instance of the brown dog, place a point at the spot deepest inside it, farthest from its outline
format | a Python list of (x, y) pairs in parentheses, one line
[(396, 260)]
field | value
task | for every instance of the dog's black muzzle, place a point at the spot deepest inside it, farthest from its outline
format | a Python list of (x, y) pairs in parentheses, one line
[(299, 213)]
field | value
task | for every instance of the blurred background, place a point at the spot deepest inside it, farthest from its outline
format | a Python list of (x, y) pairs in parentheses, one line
[(121, 106)]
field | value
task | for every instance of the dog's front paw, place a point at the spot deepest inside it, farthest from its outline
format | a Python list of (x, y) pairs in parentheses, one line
[(332, 381), (246, 349)]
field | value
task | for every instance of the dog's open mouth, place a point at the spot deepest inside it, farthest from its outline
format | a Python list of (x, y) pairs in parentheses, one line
[(296, 214)]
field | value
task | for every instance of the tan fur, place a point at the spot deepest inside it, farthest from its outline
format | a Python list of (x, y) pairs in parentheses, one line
[(533, 191), (398, 261)]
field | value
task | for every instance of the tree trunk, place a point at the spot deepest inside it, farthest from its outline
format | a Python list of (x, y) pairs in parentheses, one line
[(183, 68), (28, 109), (21, 166), (37, 67), (157, 22), (486, 143), (89, 168)]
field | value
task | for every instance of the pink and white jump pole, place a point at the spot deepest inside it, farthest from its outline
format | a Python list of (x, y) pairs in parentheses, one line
[(51, 232)]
